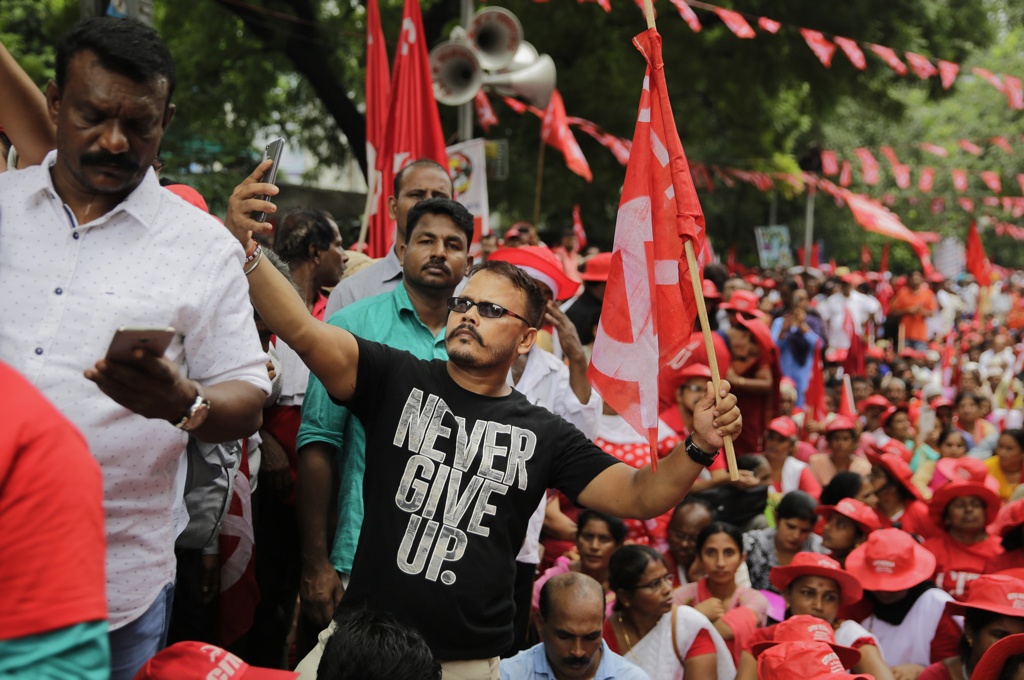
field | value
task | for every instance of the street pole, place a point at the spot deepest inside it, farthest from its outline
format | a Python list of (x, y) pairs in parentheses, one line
[(809, 229)]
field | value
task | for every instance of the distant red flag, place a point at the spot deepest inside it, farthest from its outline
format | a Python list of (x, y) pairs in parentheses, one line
[(992, 180), (618, 146), (874, 217), (846, 174), (868, 166), (902, 174), (820, 45), (890, 155), (829, 164), (688, 15), (378, 97), (947, 73), (1014, 94), (846, 404), (484, 111), (577, 226), (1003, 143), (414, 125), (977, 261), (556, 133), (815, 404), (769, 25), (959, 180), (735, 22), (926, 181), (865, 257), (650, 306), (966, 204), (890, 58), (934, 149), (852, 51), (969, 146), (991, 78), (922, 66)]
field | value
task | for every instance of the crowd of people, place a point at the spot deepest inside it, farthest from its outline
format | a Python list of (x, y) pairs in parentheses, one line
[(398, 468)]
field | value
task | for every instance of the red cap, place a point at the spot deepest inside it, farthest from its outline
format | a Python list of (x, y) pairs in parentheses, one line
[(853, 279), (804, 660), (897, 469), (710, 290), (805, 628), (202, 660), (967, 469), (742, 300), (813, 564), (874, 352), (874, 400), (839, 424), (887, 415), (941, 402), (512, 233), (852, 509), (992, 661), (597, 267), (1010, 517), (890, 560), (945, 494), (997, 593), (783, 425), (542, 265)]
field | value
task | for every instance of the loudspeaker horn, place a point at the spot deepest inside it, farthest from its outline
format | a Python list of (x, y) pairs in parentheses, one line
[(456, 71), (496, 34), (530, 76)]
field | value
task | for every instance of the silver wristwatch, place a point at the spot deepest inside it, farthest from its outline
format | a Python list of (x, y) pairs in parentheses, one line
[(197, 413)]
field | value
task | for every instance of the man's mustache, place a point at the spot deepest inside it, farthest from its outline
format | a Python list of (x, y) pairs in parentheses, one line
[(437, 264), (466, 327), (109, 159)]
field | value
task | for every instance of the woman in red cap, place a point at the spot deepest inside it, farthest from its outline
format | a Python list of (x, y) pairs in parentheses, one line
[(847, 524), (841, 436), (815, 585), (993, 610), (804, 647), (900, 503), (962, 549), (788, 473), (1009, 526), (1005, 465), (907, 615)]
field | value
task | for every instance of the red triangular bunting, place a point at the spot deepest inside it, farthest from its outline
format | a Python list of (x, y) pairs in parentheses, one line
[(735, 22), (890, 58), (922, 66), (852, 52), (820, 45), (947, 73), (769, 25)]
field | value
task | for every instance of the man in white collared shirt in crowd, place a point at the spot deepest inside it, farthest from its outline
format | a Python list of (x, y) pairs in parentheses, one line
[(90, 242)]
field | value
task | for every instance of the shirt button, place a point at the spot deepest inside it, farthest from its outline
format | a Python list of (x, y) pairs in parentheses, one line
[(39, 350), (59, 291), (75, 235)]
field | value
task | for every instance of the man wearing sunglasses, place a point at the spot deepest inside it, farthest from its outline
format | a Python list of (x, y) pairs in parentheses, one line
[(457, 460)]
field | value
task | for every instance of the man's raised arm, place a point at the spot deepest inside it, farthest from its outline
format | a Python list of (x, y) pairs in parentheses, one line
[(331, 353), (623, 491)]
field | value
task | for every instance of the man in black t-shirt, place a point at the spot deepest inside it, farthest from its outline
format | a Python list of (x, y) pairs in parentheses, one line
[(456, 461)]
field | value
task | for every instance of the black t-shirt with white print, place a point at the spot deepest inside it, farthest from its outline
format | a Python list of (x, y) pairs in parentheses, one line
[(451, 480)]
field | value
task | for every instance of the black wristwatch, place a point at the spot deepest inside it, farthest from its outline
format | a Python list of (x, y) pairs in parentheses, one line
[(697, 454)]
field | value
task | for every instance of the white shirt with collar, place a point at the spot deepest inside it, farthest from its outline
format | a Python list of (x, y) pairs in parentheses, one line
[(380, 277), (154, 260)]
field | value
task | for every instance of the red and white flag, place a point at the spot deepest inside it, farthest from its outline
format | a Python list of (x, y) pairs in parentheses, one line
[(650, 306), (735, 22), (484, 111), (378, 96), (688, 15), (977, 261), (926, 181), (577, 227), (239, 594), (414, 125), (889, 57), (947, 73), (852, 51), (959, 180), (556, 133), (922, 66), (868, 166), (770, 25), (876, 218), (970, 147), (1014, 94), (829, 163), (992, 180), (820, 45)]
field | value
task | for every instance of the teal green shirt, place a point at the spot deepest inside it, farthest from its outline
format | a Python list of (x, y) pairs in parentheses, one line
[(389, 319), (79, 652)]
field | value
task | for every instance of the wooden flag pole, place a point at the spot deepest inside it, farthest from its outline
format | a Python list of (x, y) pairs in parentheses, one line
[(702, 310)]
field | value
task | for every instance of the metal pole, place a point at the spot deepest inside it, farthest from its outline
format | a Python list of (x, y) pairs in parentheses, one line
[(772, 207), (809, 230), (466, 110)]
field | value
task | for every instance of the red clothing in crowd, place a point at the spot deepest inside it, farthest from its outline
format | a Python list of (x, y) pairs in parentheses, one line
[(914, 325), (957, 564), (937, 671), (914, 520), (1013, 559)]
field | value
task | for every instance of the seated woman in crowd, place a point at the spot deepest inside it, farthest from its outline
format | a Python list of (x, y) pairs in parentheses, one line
[(991, 612), (897, 433), (900, 503), (1009, 526), (598, 537), (843, 443), (1005, 465), (735, 611), (850, 485), (847, 525), (792, 533), (962, 548), (907, 610), (666, 641), (815, 586), (969, 417), (949, 443), (788, 473)]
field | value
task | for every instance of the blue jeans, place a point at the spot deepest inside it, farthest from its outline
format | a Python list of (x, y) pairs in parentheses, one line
[(133, 645)]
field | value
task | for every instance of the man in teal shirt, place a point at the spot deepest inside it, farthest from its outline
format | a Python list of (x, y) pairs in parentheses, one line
[(331, 443)]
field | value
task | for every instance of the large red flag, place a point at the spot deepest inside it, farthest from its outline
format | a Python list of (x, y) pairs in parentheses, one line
[(555, 132), (414, 125), (977, 262), (378, 94), (649, 304)]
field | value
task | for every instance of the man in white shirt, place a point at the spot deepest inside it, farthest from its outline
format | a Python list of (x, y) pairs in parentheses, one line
[(90, 242)]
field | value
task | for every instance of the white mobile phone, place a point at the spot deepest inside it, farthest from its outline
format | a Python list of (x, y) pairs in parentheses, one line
[(127, 339), (273, 151)]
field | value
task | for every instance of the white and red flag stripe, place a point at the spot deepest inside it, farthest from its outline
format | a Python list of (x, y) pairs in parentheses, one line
[(649, 303)]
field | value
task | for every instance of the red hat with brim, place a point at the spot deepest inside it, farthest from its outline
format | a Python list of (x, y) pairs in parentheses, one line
[(945, 494), (887, 415), (855, 511), (967, 469), (202, 660), (996, 593), (542, 265), (840, 424), (597, 267), (813, 564), (890, 560), (784, 426), (992, 661), (745, 301), (803, 628), (710, 290), (804, 660), (1010, 517), (941, 402), (876, 400), (897, 469)]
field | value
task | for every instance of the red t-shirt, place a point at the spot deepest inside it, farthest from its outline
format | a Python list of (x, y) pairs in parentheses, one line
[(914, 520), (957, 564), (53, 543)]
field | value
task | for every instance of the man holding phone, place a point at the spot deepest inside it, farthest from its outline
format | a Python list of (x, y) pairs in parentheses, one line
[(90, 242)]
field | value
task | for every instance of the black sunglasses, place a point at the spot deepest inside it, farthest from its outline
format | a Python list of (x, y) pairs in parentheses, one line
[(488, 310)]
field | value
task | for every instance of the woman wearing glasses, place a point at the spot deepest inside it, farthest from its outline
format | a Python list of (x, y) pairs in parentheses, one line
[(666, 641)]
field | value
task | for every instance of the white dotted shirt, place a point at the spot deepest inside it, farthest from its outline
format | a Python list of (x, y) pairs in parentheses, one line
[(154, 260)]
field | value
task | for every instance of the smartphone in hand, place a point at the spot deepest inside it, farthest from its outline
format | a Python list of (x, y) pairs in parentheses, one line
[(127, 339), (273, 151)]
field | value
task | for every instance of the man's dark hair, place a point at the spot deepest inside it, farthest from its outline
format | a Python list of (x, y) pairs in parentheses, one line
[(124, 46), (299, 229), (419, 163), (616, 527), (843, 485), (369, 645), (462, 218), (522, 282), (564, 582), (797, 505)]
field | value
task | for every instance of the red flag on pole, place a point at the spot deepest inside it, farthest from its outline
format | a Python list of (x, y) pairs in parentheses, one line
[(577, 226), (846, 406), (921, 65), (890, 58), (735, 22), (820, 45), (378, 95), (414, 126), (649, 304), (992, 180), (484, 111), (926, 181), (947, 73), (556, 133), (769, 25), (852, 51), (688, 15), (977, 262)]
